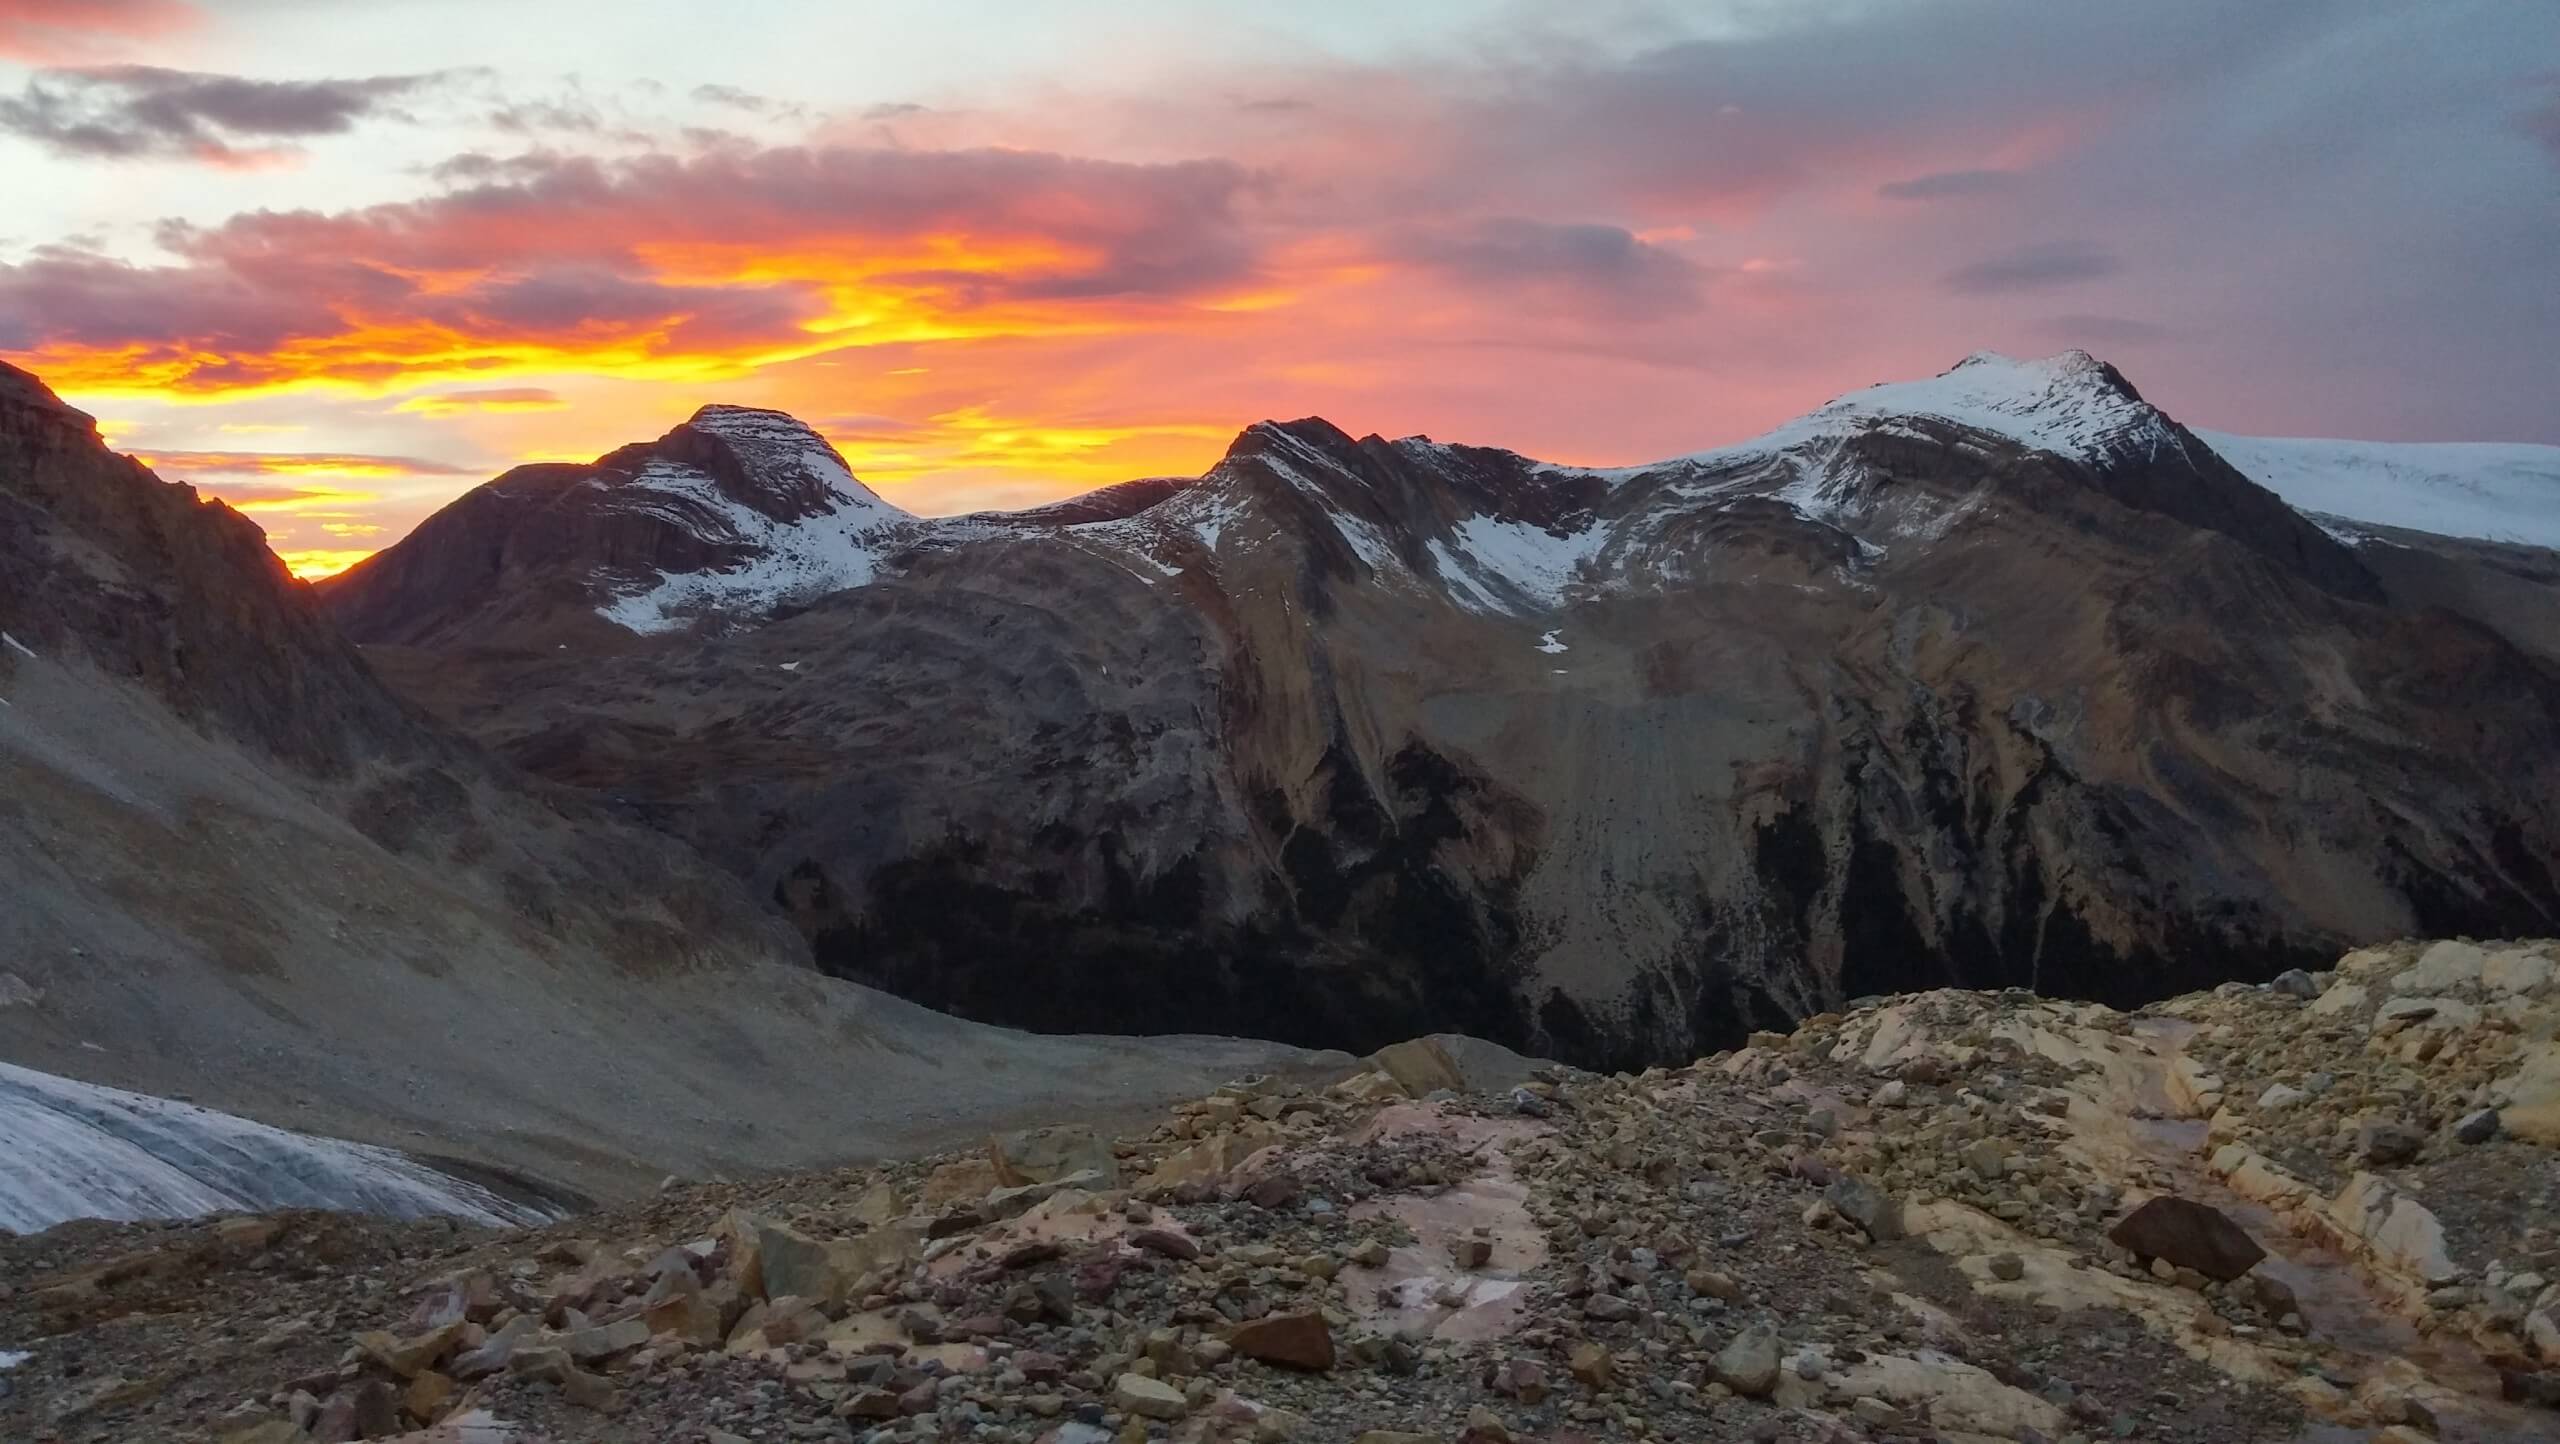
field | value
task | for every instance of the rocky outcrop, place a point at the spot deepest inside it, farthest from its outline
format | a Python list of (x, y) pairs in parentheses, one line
[(1999, 679)]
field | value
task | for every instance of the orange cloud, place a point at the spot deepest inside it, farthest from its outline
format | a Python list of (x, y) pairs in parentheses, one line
[(47, 31), (294, 463), (494, 398)]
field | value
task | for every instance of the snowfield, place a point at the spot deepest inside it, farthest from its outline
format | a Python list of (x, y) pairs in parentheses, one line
[(2508, 492)]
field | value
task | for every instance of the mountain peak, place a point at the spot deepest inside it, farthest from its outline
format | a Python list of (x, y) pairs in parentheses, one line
[(769, 460)]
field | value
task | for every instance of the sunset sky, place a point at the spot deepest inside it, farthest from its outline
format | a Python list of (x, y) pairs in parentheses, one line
[(337, 262)]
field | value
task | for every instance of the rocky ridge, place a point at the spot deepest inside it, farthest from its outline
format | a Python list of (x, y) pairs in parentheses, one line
[(1947, 1216), (1999, 678)]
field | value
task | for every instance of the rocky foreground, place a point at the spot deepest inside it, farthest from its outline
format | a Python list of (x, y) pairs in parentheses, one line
[(2328, 1208)]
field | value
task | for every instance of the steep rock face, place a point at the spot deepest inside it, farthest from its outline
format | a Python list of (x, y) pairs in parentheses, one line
[(1998, 678)]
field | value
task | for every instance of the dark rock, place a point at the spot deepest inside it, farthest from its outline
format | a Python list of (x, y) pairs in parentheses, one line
[(2189, 1235)]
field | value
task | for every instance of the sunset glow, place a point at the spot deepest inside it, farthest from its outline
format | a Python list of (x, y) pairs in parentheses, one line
[(1627, 237)]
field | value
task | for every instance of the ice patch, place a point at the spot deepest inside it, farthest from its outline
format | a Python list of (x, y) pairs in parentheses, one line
[(79, 1150)]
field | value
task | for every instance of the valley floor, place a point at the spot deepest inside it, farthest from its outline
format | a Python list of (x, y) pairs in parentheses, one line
[(1898, 1223)]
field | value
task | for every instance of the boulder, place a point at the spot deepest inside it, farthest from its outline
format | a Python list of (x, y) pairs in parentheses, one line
[(1867, 1206), (2188, 1235), (1048, 1155), (2398, 1231), (1748, 1365), (1420, 1066), (1298, 1340), (1147, 1398), (2295, 983), (2443, 967)]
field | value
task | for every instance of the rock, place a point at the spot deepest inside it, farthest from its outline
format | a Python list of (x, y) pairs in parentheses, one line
[(1471, 1253), (1396, 1436), (1165, 1241), (2295, 983), (412, 1356), (1300, 1340), (1869, 1207), (1984, 1156), (2477, 1127), (2399, 1232), (2445, 1015), (1526, 1380), (595, 1345), (1485, 1427), (1045, 1155), (1589, 1363), (427, 1396), (2387, 1141), (1420, 1066), (1707, 1283), (1749, 1364), (1608, 1309), (2007, 1267), (2187, 1234), (2447, 966), (2281, 1096), (2512, 971), (1147, 1398)]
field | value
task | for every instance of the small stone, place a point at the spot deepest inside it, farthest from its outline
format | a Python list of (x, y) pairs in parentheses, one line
[(2477, 1127), (2187, 1234), (2295, 983), (2008, 1267)]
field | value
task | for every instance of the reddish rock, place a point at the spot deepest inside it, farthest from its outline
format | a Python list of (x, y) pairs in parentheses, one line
[(1294, 1341)]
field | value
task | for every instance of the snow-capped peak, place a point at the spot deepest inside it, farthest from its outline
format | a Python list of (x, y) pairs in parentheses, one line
[(780, 451), (2073, 404)]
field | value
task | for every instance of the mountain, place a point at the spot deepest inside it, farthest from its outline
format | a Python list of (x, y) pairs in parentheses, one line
[(2001, 677), (234, 868)]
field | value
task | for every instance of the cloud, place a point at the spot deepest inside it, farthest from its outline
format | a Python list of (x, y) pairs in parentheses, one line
[(45, 31), (132, 112), (487, 398), (2033, 267), (1942, 185), (712, 261), (2085, 331), (1589, 260), (294, 463)]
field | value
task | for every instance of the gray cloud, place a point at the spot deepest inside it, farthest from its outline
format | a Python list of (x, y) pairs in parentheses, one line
[(2034, 267), (128, 112), (1941, 185), (2086, 331), (1601, 261)]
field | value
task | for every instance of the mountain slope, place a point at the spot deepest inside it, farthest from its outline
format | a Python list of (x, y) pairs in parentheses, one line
[(2498, 492), (232, 866), (1998, 678)]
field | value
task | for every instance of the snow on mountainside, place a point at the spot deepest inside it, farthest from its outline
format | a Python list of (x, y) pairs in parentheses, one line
[(806, 527), (2494, 491)]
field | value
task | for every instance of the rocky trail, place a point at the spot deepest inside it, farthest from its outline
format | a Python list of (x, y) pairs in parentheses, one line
[(2316, 1210)]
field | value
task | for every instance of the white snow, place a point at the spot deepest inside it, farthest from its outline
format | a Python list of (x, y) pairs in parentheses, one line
[(1553, 642), (12, 1358), (2496, 491), (2060, 403), (79, 1150), (1487, 557), (21, 648), (788, 561)]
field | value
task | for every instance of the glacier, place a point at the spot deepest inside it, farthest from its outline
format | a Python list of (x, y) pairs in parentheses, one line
[(80, 1150)]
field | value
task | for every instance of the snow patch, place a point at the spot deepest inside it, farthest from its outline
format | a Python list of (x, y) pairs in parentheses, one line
[(1553, 642), (1486, 559), (21, 648), (79, 1150), (12, 1358)]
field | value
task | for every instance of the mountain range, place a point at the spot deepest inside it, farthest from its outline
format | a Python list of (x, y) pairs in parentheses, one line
[(2002, 677)]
